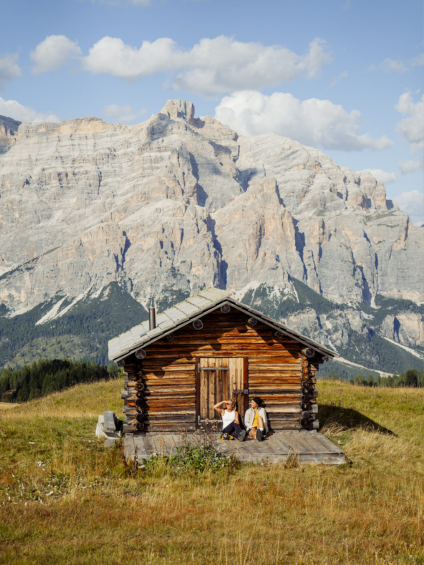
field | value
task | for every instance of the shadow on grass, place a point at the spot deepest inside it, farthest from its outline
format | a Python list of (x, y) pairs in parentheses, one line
[(347, 418)]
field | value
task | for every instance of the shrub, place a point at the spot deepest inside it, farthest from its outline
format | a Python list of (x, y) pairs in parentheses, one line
[(332, 377), (360, 380), (191, 459)]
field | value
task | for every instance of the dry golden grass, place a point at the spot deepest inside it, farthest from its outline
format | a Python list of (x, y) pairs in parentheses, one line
[(65, 499), (7, 406)]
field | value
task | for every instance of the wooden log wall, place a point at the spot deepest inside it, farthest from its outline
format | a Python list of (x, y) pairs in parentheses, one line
[(309, 404), (160, 390)]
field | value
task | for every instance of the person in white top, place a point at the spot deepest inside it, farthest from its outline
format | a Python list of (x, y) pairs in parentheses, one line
[(230, 421)]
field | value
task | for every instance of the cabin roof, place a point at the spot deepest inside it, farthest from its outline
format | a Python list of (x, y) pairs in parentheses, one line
[(185, 313)]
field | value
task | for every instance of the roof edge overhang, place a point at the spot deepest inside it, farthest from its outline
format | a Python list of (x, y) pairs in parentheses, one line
[(242, 308)]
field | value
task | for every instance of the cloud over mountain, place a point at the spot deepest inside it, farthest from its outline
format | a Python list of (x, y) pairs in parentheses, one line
[(12, 109), (210, 67), (122, 113), (411, 166), (315, 122), (412, 127), (412, 203), (54, 52), (384, 176)]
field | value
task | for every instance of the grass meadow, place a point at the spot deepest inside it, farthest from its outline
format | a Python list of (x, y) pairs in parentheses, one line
[(65, 499)]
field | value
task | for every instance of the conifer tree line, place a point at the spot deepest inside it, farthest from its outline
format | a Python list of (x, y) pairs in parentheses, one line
[(47, 376), (410, 378)]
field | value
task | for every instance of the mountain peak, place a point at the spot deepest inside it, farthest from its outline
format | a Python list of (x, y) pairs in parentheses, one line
[(179, 109)]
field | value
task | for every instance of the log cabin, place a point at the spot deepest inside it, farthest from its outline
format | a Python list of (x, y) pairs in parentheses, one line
[(209, 348)]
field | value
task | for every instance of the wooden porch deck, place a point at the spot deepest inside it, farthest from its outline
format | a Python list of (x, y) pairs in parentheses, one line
[(306, 446)]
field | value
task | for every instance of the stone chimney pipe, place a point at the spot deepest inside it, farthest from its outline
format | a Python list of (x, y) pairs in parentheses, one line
[(152, 319)]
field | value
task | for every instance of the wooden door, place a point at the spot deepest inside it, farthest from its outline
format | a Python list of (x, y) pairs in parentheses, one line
[(218, 379)]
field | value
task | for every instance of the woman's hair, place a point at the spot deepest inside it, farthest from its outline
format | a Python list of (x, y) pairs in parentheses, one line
[(234, 403)]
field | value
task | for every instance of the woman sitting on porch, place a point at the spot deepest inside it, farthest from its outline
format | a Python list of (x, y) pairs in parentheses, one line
[(230, 421), (255, 420)]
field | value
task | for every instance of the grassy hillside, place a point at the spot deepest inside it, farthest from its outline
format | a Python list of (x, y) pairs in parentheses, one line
[(65, 499)]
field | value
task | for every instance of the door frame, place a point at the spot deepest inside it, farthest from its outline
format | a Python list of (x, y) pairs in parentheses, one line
[(245, 383)]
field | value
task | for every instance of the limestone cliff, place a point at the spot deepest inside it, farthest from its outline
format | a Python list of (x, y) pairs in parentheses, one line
[(177, 203)]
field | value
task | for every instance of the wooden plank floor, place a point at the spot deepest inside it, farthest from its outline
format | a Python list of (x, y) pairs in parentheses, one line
[(307, 447)]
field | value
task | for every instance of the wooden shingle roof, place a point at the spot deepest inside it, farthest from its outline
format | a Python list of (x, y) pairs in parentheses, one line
[(185, 313)]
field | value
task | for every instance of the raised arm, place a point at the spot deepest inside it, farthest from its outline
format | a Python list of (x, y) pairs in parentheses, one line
[(217, 406)]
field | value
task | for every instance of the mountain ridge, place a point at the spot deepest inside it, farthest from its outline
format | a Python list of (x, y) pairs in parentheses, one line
[(178, 203)]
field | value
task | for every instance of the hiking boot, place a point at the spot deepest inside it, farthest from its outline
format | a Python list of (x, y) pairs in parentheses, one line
[(224, 436), (231, 438), (242, 435), (260, 435)]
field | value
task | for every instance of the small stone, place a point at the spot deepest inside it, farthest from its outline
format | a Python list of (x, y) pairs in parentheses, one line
[(110, 442), (109, 421)]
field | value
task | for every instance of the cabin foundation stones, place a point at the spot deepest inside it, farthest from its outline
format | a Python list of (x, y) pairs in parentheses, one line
[(210, 348)]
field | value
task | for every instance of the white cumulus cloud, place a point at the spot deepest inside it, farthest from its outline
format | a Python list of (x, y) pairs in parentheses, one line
[(112, 56), (319, 123), (224, 65), (9, 69), (123, 114), (384, 176), (412, 127), (54, 52), (411, 166), (210, 67), (413, 204), (12, 109)]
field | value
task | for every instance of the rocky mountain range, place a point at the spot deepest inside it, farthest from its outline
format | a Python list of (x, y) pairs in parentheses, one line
[(99, 220)]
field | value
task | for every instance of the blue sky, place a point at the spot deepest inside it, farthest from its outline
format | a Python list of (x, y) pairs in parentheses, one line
[(342, 75)]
